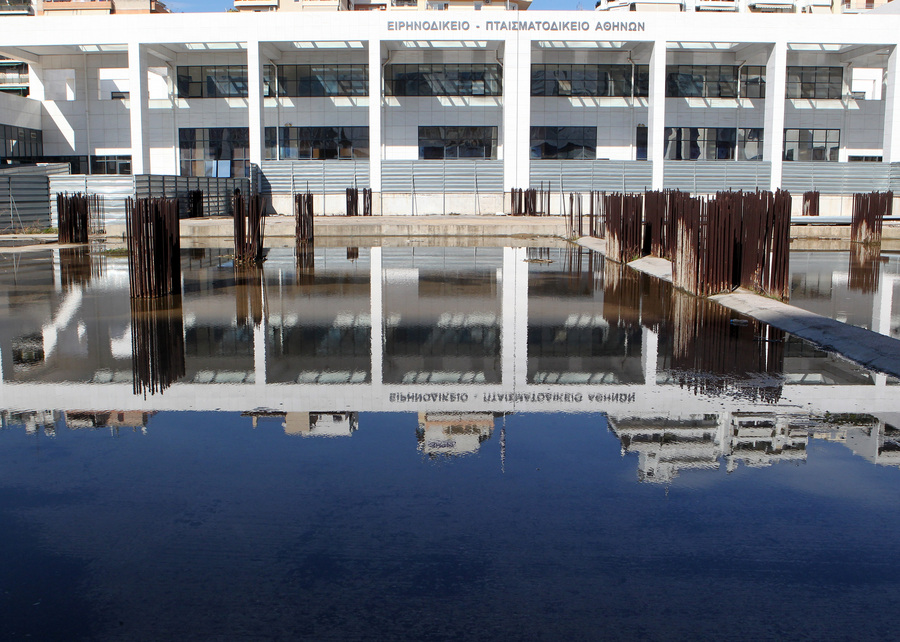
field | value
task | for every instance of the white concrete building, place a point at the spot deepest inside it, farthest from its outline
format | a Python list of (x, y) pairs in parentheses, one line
[(443, 113)]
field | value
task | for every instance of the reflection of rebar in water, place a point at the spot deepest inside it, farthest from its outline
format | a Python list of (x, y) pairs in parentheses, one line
[(865, 267), (157, 343), (621, 294), (712, 353), (306, 263), (76, 266), (249, 296), (352, 253)]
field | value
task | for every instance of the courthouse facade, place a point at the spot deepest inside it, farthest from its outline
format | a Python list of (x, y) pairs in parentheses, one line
[(443, 112)]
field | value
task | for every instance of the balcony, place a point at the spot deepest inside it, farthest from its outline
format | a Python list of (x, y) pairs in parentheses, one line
[(256, 5), (717, 5), (15, 8), (75, 7), (13, 78)]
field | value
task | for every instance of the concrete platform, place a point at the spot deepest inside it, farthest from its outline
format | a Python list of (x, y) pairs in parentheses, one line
[(869, 349), (405, 226)]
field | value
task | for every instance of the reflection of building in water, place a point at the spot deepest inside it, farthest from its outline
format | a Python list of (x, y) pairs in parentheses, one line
[(453, 434), (31, 420), (583, 321), (666, 446), (442, 318), (874, 439), (764, 439), (115, 419), (321, 424)]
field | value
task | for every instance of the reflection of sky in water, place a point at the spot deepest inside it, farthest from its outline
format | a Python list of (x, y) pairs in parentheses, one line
[(204, 527), (707, 491)]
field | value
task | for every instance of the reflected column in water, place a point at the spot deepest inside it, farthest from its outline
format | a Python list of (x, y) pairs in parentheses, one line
[(157, 343), (865, 267), (714, 353)]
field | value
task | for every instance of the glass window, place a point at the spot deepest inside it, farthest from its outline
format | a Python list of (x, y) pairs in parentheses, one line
[(814, 82), (317, 143), (700, 143), (219, 81), (111, 164), (811, 144), (589, 80), (439, 142), (215, 151), (443, 80), (564, 142)]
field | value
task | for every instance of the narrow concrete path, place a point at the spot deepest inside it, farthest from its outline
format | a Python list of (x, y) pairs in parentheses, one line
[(869, 349)]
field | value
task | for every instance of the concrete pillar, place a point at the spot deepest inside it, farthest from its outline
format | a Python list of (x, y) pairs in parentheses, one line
[(376, 152), (255, 102), (891, 144), (139, 112), (656, 125), (516, 131), (773, 128), (376, 313)]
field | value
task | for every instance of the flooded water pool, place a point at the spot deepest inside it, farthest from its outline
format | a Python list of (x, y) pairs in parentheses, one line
[(429, 443)]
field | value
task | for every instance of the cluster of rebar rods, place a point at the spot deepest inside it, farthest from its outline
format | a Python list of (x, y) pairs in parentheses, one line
[(353, 195), (303, 211), (195, 203), (811, 203), (154, 247), (530, 202), (714, 352), (574, 216), (157, 344), (595, 215), (865, 267), (249, 225), (624, 214), (659, 225), (72, 217), (869, 211)]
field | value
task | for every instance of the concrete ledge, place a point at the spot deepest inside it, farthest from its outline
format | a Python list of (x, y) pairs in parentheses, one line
[(405, 226)]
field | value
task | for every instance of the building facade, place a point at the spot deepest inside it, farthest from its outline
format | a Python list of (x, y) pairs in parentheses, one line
[(448, 115)]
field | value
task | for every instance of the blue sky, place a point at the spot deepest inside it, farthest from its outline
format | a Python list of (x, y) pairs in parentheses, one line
[(224, 5)]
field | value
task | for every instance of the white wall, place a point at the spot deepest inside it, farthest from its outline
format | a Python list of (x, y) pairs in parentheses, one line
[(20, 112)]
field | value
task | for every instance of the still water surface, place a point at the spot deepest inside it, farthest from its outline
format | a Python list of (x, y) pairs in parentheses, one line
[(430, 443)]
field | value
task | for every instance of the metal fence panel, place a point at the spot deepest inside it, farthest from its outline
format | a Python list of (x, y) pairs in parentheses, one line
[(24, 202), (457, 176), (587, 175), (708, 177), (837, 178), (48, 169), (318, 176)]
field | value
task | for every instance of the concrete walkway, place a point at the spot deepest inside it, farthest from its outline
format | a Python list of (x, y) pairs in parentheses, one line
[(869, 349)]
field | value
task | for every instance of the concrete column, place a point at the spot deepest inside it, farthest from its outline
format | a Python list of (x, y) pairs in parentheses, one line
[(516, 131), (255, 102), (773, 128), (376, 153), (514, 324), (656, 125), (376, 297), (891, 144), (139, 112)]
